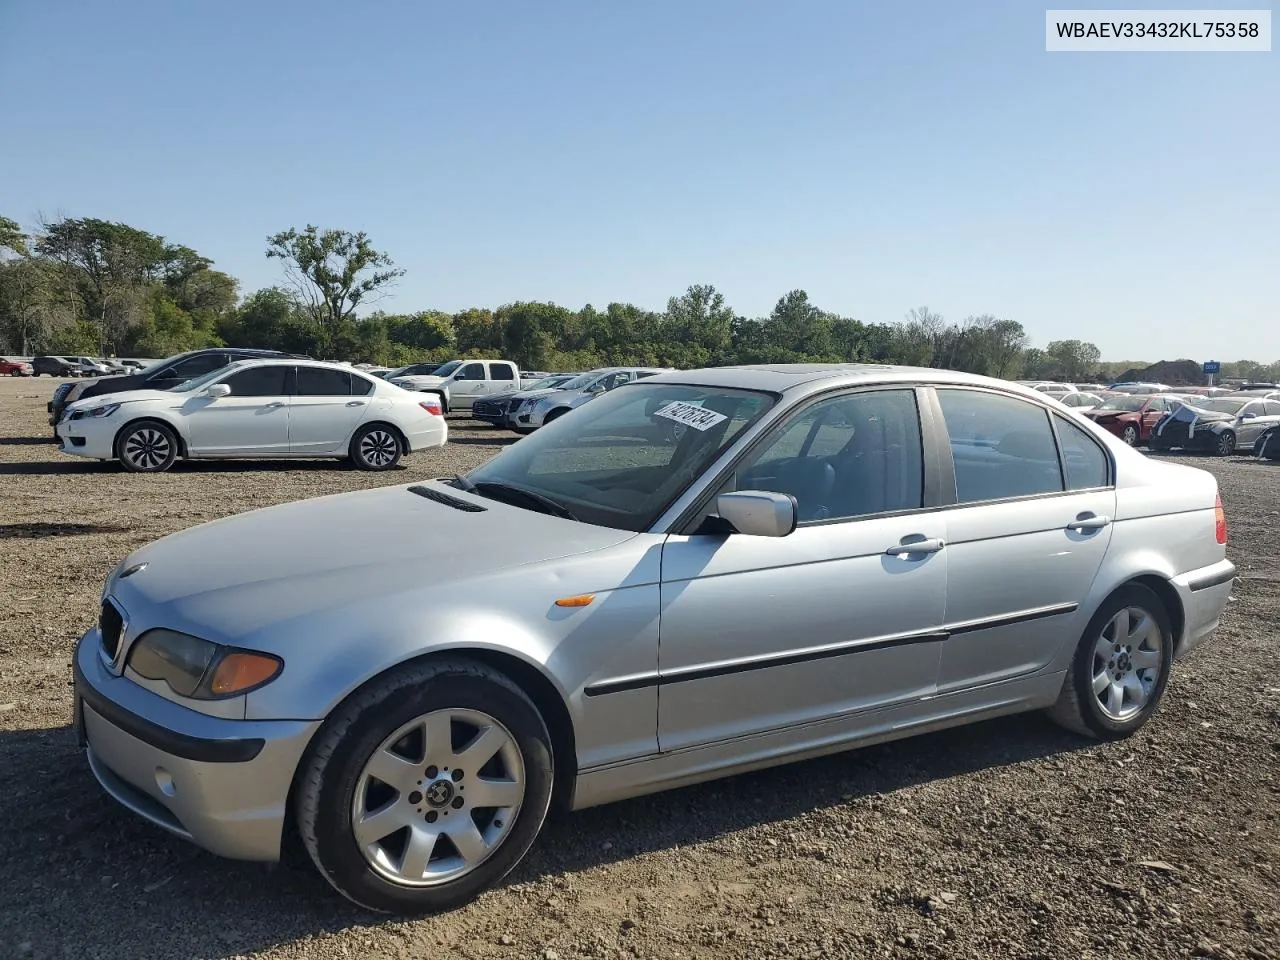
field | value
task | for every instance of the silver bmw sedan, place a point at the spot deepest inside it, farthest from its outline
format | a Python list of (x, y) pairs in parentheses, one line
[(697, 574)]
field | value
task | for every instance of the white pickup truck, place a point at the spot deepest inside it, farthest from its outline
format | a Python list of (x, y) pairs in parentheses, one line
[(460, 383)]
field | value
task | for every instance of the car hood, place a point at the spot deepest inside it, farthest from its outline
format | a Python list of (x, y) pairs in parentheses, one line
[(231, 578), (428, 381), (1112, 414), (1190, 414), (536, 394), (124, 396)]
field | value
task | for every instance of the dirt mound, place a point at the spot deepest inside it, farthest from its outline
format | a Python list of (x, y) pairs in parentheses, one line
[(1176, 373)]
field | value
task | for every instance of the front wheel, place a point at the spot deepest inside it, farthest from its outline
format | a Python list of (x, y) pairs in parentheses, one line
[(376, 447), (426, 788), (1120, 668), (147, 447), (1225, 445), (1130, 435)]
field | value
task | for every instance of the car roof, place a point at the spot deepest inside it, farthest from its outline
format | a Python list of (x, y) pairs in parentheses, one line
[(783, 377), (295, 362)]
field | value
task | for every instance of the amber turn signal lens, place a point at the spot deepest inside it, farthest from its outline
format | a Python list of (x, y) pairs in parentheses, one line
[(578, 601), (242, 671)]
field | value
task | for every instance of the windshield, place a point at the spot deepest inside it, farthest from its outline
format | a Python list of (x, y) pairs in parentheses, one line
[(195, 383), (1222, 405), (582, 381), (447, 369), (157, 364), (1123, 403), (546, 383), (621, 460)]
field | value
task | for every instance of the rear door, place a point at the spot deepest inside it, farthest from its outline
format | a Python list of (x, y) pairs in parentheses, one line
[(324, 412), (254, 419), (1033, 503), (502, 378)]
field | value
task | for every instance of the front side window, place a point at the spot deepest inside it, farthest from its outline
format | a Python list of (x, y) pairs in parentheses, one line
[(259, 382), (194, 366), (844, 457), (1001, 446), (621, 460), (472, 371), (322, 382)]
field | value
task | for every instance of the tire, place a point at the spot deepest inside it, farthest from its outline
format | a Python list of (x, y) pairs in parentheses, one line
[(336, 783), (1130, 435), (1079, 708), (1225, 445), (376, 446), (554, 415), (146, 446)]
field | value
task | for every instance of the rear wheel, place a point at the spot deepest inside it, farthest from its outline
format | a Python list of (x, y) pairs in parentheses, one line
[(426, 788), (1225, 445), (147, 447), (1120, 668), (376, 447)]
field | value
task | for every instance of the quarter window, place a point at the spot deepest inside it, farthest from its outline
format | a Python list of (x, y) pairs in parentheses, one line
[(845, 457), (1002, 447), (258, 382), (1083, 461)]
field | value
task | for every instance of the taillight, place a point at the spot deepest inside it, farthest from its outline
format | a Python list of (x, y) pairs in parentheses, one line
[(432, 407), (1220, 521)]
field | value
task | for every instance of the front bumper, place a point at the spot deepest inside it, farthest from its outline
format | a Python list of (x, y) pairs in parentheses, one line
[(1204, 594), (88, 437), (222, 784)]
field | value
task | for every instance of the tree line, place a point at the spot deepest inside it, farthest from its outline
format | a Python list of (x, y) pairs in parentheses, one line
[(86, 286)]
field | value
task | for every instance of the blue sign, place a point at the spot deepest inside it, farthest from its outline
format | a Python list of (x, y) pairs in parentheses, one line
[(1212, 366)]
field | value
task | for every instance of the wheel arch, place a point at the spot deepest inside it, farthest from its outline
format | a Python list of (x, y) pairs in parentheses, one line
[(149, 418), (535, 684), (404, 441)]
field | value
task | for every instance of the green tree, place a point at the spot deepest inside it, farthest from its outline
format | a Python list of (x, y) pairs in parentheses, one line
[(1073, 360), (333, 271), (701, 319)]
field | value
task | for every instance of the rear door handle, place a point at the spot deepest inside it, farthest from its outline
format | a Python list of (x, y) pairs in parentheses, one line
[(1087, 522), (915, 546), (356, 403)]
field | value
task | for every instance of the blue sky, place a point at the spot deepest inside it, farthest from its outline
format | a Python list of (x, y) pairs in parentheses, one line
[(879, 155)]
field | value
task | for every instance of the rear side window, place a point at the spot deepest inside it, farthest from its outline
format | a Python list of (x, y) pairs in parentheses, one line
[(502, 371), (1271, 408), (319, 382), (1083, 460), (259, 382), (1002, 447)]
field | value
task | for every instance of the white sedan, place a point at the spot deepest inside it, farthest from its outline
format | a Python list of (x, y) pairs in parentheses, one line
[(257, 408)]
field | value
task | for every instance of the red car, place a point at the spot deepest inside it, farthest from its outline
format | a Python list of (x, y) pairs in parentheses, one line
[(1133, 418), (15, 368)]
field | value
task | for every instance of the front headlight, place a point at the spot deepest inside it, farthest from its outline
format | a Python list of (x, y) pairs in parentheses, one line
[(200, 669), (105, 410)]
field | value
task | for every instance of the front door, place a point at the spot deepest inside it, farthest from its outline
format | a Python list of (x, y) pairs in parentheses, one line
[(323, 412), (760, 633), (254, 419), (1026, 536), (469, 384)]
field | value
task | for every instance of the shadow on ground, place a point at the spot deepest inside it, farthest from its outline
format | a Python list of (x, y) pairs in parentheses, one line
[(92, 854)]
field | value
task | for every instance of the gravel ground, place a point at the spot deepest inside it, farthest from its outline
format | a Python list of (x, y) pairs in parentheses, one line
[(1006, 839)]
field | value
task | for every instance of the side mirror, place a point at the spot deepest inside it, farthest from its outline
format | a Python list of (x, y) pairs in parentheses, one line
[(759, 513), (218, 390)]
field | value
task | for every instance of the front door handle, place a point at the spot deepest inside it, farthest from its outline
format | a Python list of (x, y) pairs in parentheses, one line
[(1087, 522), (356, 403), (906, 548), (274, 404)]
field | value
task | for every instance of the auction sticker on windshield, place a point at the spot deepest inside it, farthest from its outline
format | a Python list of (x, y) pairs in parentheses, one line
[(691, 416)]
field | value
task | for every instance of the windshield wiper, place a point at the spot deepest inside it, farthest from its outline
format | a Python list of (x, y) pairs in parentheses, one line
[(498, 490), (461, 482)]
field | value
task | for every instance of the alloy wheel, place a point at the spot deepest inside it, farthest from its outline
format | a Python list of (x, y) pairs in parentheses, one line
[(1130, 435), (1226, 443), (1127, 659), (379, 448), (147, 448), (438, 797)]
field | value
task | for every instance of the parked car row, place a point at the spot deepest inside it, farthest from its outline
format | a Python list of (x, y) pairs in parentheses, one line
[(232, 403), (831, 556), (72, 366)]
